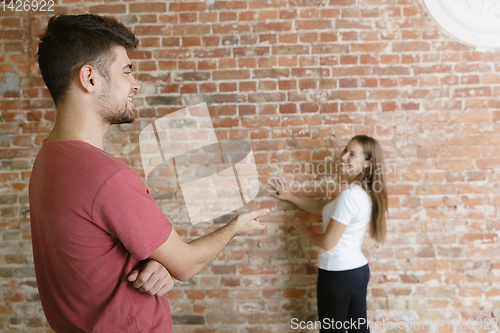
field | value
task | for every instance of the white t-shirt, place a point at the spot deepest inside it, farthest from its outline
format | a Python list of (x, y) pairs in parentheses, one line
[(352, 207)]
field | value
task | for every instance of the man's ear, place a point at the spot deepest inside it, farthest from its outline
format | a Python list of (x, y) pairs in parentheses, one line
[(87, 76)]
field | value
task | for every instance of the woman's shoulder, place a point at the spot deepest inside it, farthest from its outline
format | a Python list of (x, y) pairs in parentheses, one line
[(354, 190)]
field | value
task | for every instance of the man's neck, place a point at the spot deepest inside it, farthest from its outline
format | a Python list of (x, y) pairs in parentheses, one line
[(78, 126)]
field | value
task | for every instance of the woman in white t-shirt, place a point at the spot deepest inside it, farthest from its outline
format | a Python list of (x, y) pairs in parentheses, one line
[(343, 272)]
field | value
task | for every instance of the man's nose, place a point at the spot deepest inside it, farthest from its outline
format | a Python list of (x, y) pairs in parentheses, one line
[(135, 85)]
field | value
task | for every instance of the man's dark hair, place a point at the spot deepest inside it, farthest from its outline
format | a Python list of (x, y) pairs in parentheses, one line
[(72, 41)]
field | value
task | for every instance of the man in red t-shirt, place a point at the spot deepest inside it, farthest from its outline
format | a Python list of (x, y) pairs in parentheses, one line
[(92, 219)]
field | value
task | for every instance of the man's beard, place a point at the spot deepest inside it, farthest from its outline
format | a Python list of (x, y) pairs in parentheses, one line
[(112, 113)]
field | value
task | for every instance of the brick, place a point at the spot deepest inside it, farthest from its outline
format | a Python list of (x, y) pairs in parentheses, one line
[(348, 83), (190, 29), (351, 71), (490, 79), (388, 83), (267, 85), (369, 47), (266, 97), (411, 47), (389, 106), (171, 54), (368, 59), (313, 25), (252, 122), (328, 83), (227, 63), (472, 92), (247, 86), (339, 3), (450, 46), (287, 84), (190, 41), (168, 18), (229, 5), (188, 17), (148, 7), (227, 16), (466, 68), (329, 107), (261, 4), (268, 15), (104, 9), (392, 70), (278, 26), (212, 53), (271, 73), (151, 30), (309, 13), (245, 110), (349, 60), (251, 51), (231, 75), (193, 76), (308, 72), (187, 6), (348, 95), (293, 293), (352, 24), (291, 49), (309, 107), (267, 145), (247, 63), (350, 12), (287, 61)]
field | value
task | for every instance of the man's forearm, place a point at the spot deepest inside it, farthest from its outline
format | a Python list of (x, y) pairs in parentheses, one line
[(185, 260), (207, 248)]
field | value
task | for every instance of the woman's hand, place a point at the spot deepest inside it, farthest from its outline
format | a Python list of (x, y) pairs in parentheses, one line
[(282, 189), (302, 227)]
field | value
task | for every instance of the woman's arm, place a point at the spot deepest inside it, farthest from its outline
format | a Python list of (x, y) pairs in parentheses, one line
[(283, 193), (310, 206), (326, 241)]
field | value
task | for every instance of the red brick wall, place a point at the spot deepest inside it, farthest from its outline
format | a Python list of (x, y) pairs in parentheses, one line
[(287, 75)]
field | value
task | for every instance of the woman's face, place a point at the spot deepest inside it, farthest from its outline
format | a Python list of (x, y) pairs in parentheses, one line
[(353, 160)]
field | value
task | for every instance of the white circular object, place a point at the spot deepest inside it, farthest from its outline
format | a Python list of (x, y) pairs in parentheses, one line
[(471, 22)]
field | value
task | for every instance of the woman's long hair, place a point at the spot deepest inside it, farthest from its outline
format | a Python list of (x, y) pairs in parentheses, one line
[(372, 179)]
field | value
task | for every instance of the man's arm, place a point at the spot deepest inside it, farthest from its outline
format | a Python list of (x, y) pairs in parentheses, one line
[(151, 278), (184, 260)]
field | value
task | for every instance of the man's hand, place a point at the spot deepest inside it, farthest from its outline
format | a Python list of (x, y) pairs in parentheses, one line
[(248, 222), (152, 278)]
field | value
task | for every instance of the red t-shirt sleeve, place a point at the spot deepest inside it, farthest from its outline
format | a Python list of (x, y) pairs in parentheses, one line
[(124, 209)]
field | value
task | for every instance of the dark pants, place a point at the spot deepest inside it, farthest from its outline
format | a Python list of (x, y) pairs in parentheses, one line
[(342, 298)]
